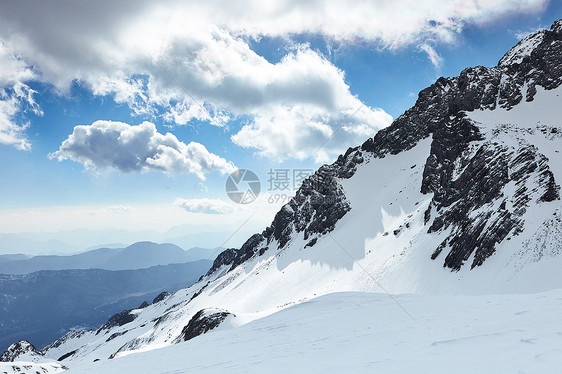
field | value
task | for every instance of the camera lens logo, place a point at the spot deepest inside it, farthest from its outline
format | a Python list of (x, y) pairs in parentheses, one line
[(243, 186)]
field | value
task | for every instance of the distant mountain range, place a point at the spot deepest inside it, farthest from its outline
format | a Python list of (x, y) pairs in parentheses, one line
[(14, 257), (140, 255), (43, 305), (74, 241), (44, 296)]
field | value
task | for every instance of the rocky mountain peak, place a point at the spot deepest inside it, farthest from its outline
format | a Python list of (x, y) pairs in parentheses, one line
[(557, 26), (465, 171), (19, 350), (539, 40)]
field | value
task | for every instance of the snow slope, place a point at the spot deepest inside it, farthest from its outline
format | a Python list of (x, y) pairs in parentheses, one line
[(448, 334), (24, 367), (23, 357)]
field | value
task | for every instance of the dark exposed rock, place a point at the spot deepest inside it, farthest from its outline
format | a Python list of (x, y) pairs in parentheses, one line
[(493, 166), (66, 355), (247, 250), (226, 257), (118, 319), (311, 242), (552, 190), (161, 296), (143, 305), (316, 208), (115, 335), (195, 294), (203, 321), (483, 173), (439, 249)]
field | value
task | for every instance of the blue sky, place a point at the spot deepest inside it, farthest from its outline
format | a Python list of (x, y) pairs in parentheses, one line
[(275, 82)]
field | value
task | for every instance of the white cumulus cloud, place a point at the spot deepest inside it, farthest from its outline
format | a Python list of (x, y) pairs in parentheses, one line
[(433, 56), (133, 148), (304, 131), (15, 97), (193, 60), (207, 206)]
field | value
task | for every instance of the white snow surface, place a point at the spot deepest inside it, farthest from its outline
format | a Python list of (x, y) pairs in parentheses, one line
[(29, 367), (370, 333)]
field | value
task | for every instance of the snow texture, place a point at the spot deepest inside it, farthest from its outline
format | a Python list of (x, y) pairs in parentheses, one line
[(368, 333)]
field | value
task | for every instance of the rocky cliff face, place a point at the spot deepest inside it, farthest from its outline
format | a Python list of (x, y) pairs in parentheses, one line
[(202, 322), (466, 171)]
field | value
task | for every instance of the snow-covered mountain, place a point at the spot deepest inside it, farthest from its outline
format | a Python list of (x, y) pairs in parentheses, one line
[(23, 357), (14, 257), (41, 306), (459, 195), (140, 255)]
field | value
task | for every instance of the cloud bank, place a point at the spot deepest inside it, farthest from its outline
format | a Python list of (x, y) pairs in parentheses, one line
[(137, 148), (15, 97), (193, 61), (206, 206)]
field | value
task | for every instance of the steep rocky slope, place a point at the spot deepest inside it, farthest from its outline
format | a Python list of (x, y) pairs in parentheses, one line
[(465, 171)]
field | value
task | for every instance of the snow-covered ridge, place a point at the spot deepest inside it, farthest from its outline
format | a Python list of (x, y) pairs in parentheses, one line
[(522, 49), (525, 47), (23, 357), (21, 351)]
